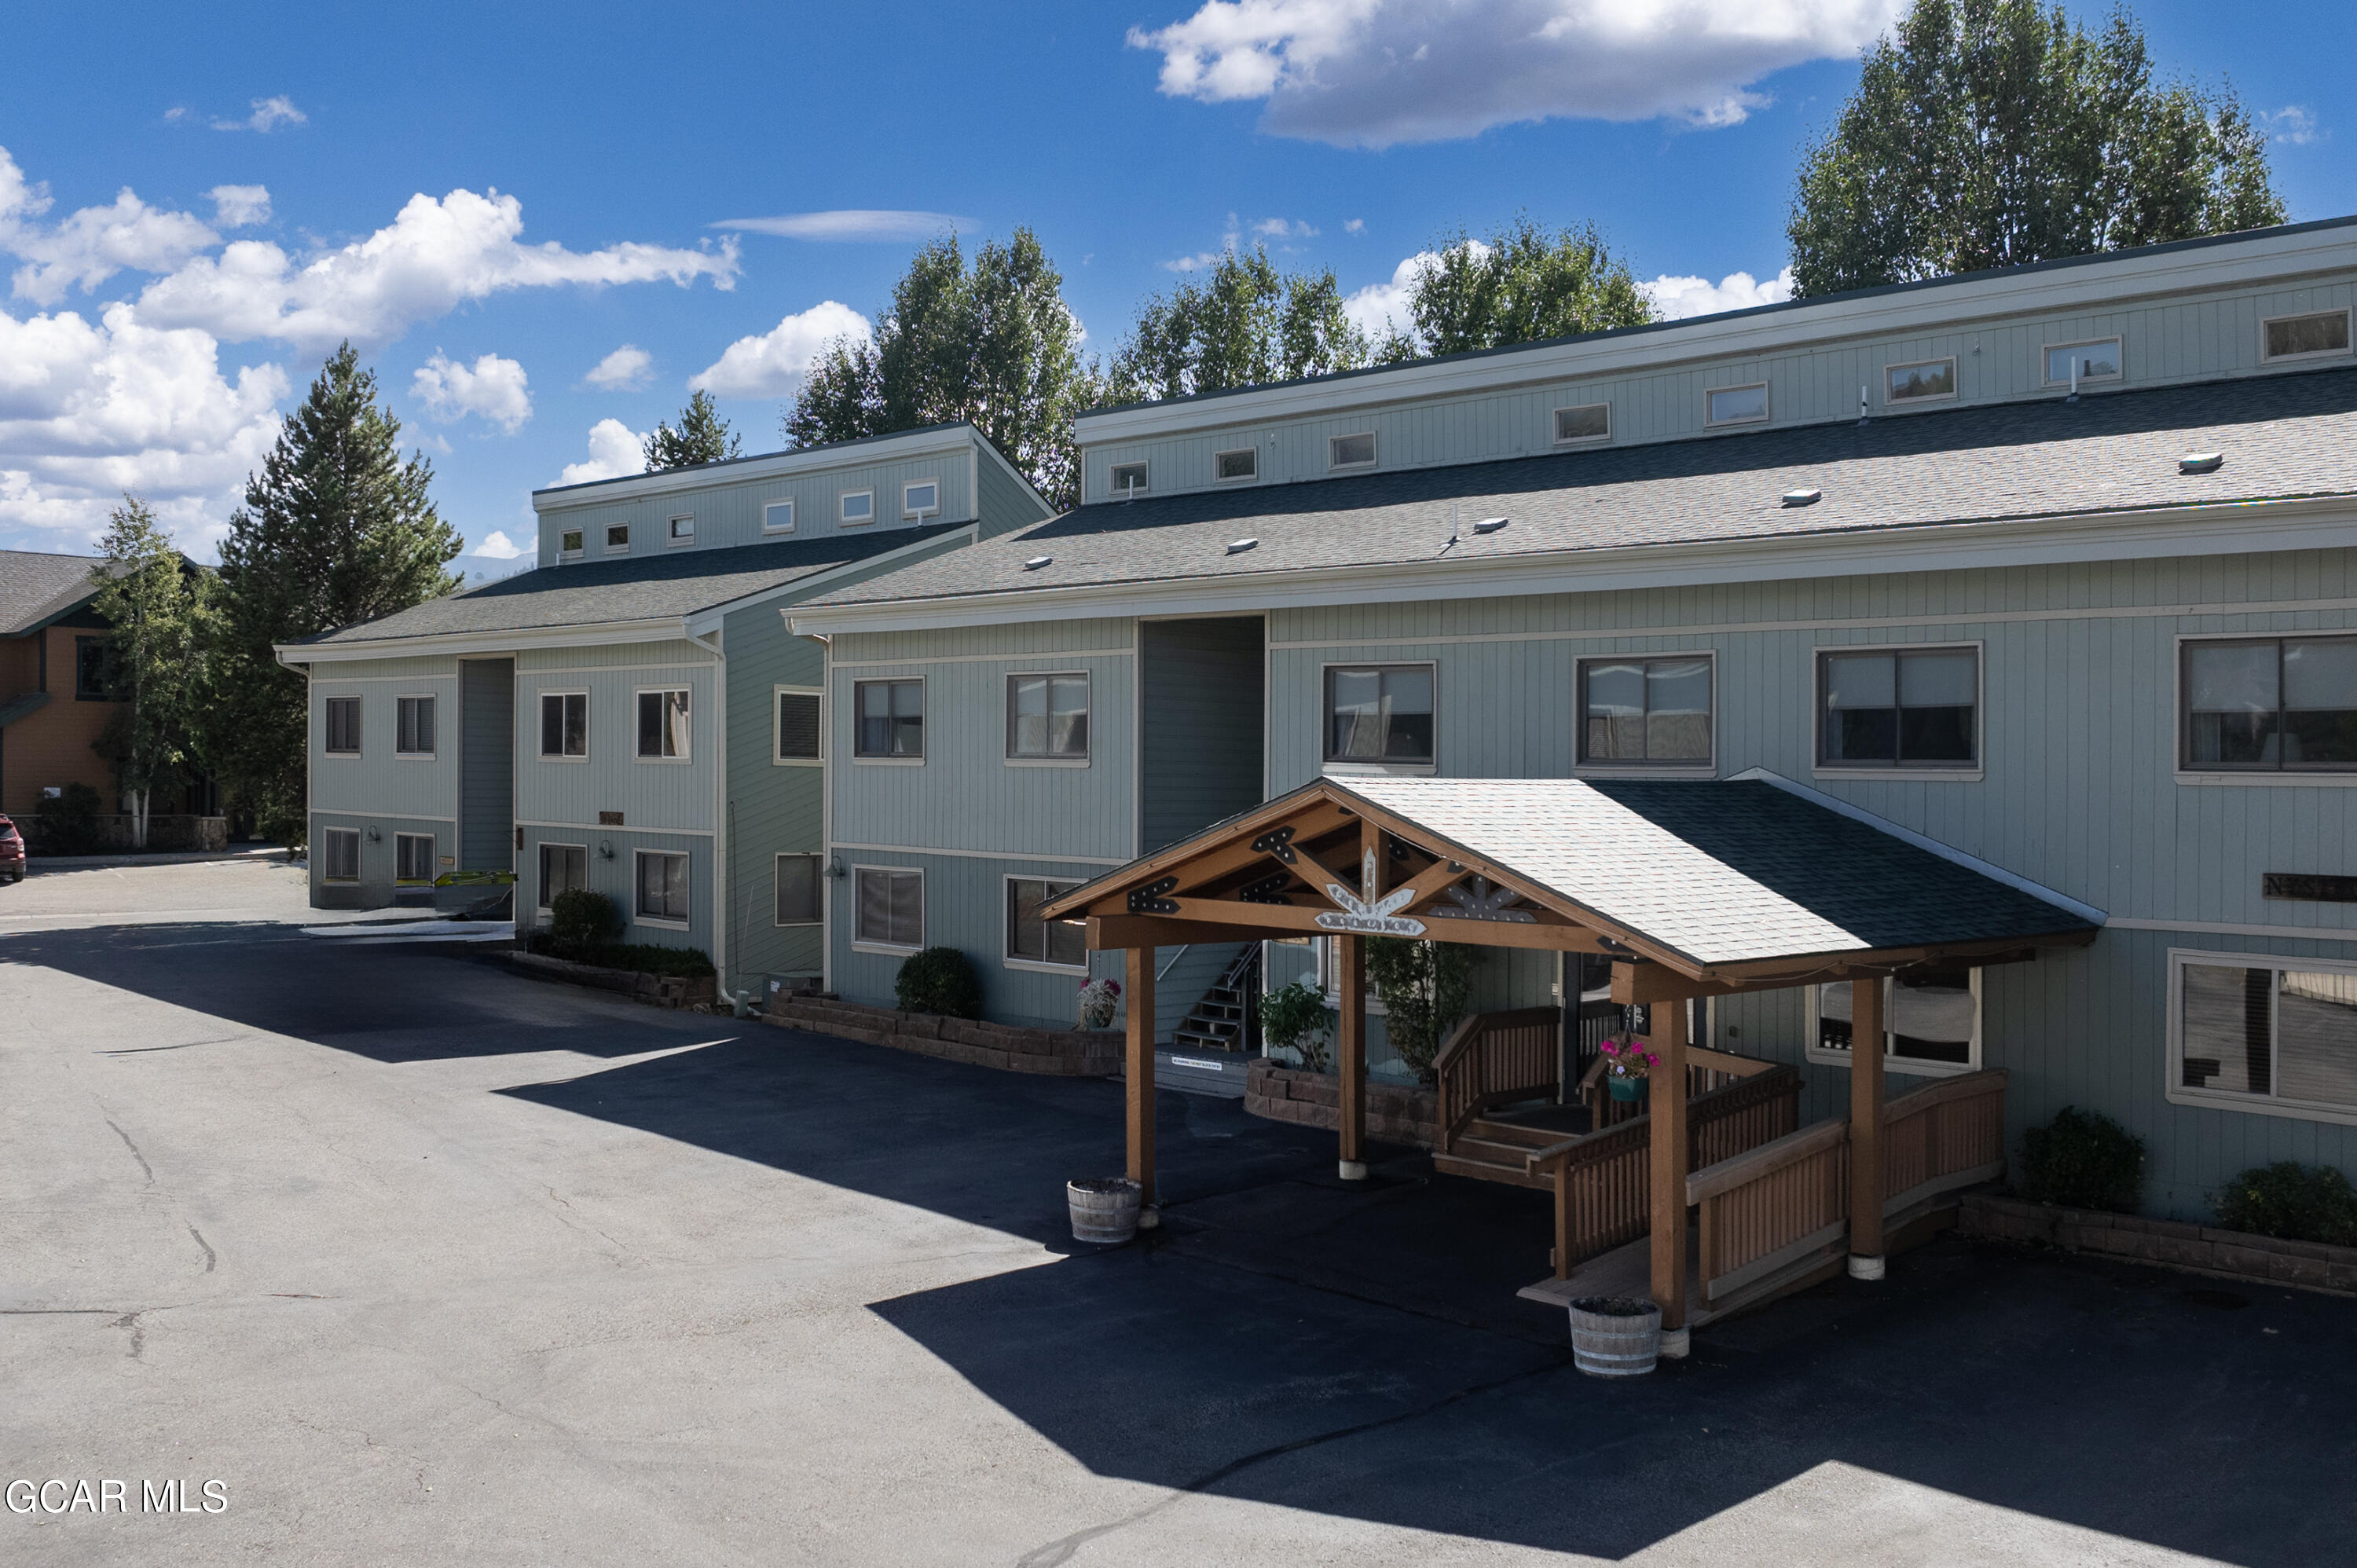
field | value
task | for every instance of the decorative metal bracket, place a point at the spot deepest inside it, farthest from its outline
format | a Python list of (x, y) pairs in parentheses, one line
[(1277, 842), (1149, 899), (1267, 890)]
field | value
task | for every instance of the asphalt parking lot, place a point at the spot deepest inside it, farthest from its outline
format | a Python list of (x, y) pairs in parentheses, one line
[(426, 1261)]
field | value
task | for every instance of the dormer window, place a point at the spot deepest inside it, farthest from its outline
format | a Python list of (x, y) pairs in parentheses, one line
[(1355, 451), (778, 517), (569, 542), (2096, 360), (1928, 380), (618, 536), (1746, 404), (1243, 463), (2312, 337), (682, 529), (1588, 425), (859, 508), (921, 499), (1128, 479)]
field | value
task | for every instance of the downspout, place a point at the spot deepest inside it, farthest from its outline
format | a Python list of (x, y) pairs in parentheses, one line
[(722, 891)]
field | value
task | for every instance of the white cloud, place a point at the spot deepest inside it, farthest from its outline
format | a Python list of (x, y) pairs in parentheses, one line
[(771, 365), (1380, 308), (269, 114), (2294, 123), (1201, 261), (496, 546), (1675, 299), (236, 206), (851, 224), (1355, 226), (92, 244), (1281, 229), (492, 387), (1376, 73), (615, 449), (624, 370)]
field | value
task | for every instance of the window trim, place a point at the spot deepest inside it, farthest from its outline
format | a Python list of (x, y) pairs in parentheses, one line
[(687, 755), (776, 728), (1007, 697), (401, 756), (770, 509), (1955, 382), (2046, 350), (859, 944), (1344, 768), (1945, 773), (1554, 425), (432, 849), (819, 882), (539, 862), (1116, 491), (2172, 1079), (1645, 769), (842, 516), (2349, 332), (673, 537), (660, 922), (2261, 777), (1374, 451), (542, 696), (624, 547), (1006, 960), (886, 759), (1252, 477), (327, 727), (96, 641), (914, 514), (325, 878), (573, 552), (1766, 416), (1912, 1067)]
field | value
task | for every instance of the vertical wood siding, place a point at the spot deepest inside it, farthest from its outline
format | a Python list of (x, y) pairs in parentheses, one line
[(1199, 724), (375, 888), (486, 725), (772, 810), (376, 782), (613, 877), (648, 794)]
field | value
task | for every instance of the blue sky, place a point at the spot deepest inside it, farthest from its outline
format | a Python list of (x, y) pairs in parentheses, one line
[(494, 202)]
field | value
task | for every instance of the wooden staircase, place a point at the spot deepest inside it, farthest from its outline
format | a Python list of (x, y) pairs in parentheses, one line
[(1496, 1149), (1221, 1018)]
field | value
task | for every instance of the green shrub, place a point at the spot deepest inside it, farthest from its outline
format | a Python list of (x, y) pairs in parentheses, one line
[(2082, 1160), (642, 957), (938, 980), (67, 822), (2296, 1202), (1295, 1018), (580, 918), (1424, 987)]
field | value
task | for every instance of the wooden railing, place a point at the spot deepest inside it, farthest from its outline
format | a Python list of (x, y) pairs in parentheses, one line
[(1496, 1058), (1764, 1209), (1943, 1136), (1705, 1070)]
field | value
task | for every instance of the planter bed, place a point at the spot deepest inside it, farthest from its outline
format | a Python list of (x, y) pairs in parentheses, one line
[(2169, 1243), (1396, 1114), (659, 990), (1063, 1053)]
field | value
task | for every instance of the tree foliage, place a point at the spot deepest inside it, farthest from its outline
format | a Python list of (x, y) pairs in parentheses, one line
[(993, 344), (703, 436), (159, 611), (1244, 325), (1995, 132), (1520, 284), (335, 529), (1424, 987)]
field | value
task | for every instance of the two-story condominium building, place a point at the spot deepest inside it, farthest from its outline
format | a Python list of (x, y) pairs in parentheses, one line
[(2050, 573), (631, 714)]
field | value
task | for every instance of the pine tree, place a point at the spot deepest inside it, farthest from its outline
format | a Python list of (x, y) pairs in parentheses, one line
[(336, 530), (703, 436), (157, 606)]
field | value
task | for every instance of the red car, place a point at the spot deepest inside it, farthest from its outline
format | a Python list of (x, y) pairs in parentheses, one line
[(12, 851)]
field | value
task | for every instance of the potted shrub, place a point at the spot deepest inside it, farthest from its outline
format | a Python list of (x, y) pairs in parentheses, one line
[(1100, 1001), (1627, 1065), (1294, 1019)]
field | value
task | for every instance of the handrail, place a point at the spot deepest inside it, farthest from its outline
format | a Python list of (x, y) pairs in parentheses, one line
[(1164, 972), (1753, 1164), (1490, 1058), (1962, 1086), (1943, 1136), (1467, 1027), (1727, 1062)]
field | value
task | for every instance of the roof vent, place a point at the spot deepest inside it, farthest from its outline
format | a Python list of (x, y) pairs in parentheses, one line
[(2200, 462), (1803, 498), (1490, 525), (1036, 562), (1238, 546)]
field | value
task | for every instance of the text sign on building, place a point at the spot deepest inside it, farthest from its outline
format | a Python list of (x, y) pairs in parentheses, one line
[(2300, 884), (1371, 925)]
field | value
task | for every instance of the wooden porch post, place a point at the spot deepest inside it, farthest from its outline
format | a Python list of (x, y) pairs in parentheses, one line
[(1137, 1067), (1666, 1110), (1350, 982), (1866, 1194)]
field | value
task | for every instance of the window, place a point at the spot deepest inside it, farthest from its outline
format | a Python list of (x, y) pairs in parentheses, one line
[(1128, 478), (618, 536), (891, 716), (1578, 426), (1351, 451), (1243, 463), (2270, 704), (569, 542), (1048, 717), (412, 726), (1931, 1015), (562, 866), (1645, 710), (799, 728), (2264, 1033), (564, 724), (778, 517), (1927, 381), (662, 887), (1379, 714), (921, 499), (1913, 709), (859, 507), (1735, 405), (94, 663), (891, 908), (2098, 362), (341, 859), (662, 724), (798, 902), (1057, 944), (682, 530), (2304, 337), (412, 858), (343, 726)]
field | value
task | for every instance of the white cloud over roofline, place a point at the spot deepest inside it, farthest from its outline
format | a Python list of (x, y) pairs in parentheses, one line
[(492, 387), (615, 449), (851, 224), (773, 364)]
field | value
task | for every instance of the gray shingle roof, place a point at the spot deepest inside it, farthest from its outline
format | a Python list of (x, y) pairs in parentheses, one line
[(35, 589), (2283, 435), (638, 588)]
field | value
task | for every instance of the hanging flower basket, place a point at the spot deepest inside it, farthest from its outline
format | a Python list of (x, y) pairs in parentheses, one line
[(1100, 1001), (1627, 1065)]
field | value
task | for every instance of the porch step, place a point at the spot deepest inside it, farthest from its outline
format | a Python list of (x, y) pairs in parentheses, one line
[(1215, 1072), (1520, 1134), (1497, 1162)]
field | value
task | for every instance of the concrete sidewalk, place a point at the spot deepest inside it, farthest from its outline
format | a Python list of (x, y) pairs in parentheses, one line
[(36, 865)]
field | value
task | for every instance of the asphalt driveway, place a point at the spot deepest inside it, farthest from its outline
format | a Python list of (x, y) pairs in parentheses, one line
[(428, 1262)]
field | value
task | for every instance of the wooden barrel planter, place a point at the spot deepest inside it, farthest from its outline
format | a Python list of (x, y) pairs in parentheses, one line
[(1615, 1336), (1105, 1209)]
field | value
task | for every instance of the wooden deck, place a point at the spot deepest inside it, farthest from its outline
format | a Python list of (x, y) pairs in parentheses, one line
[(1627, 1270)]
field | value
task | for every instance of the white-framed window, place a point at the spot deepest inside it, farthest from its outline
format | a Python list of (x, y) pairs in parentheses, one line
[(1647, 711), (1583, 425), (2317, 334), (1931, 1019), (1744, 404), (1235, 466), (1903, 708), (562, 866), (921, 499), (412, 858), (340, 731), (2255, 1031), (1924, 381), (564, 726), (778, 517), (2098, 360), (1048, 717), (569, 541), (663, 727), (856, 507), (889, 720), (797, 726), (1034, 943), (1356, 450), (618, 538), (2267, 704), (888, 907), (339, 854), (798, 901), (661, 883), (680, 529), (412, 726), (1128, 479), (1380, 713)]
